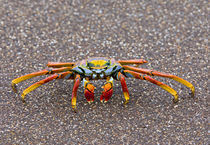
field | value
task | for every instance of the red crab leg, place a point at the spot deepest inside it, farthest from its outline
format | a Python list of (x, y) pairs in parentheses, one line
[(121, 77), (89, 91), (60, 64), (156, 73), (74, 92), (108, 90), (134, 61), (37, 84), (162, 85), (39, 73)]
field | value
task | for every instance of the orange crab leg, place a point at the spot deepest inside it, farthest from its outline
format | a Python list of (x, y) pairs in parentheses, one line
[(89, 90), (133, 61), (156, 73), (121, 77), (39, 73), (74, 92), (145, 77), (37, 84), (60, 64), (108, 90)]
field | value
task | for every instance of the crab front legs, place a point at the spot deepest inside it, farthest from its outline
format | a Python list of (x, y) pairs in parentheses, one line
[(74, 92), (121, 77), (89, 90), (108, 90)]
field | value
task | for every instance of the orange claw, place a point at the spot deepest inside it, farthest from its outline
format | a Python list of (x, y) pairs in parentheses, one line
[(89, 92), (107, 93), (108, 90)]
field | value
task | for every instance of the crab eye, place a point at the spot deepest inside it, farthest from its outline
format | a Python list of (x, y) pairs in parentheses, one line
[(90, 64), (108, 63)]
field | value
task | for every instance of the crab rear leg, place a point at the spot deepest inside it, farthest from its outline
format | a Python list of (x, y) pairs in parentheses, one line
[(133, 61), (89, 90), (108, 90), (38, 84), (121, 77), (39, 73), (60, 64), (156, 73), (129, 73)]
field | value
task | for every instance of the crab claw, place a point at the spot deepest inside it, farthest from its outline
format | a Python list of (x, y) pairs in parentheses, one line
[(89, 92), (107, 93)]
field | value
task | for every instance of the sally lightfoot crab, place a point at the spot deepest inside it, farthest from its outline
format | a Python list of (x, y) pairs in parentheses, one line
[(99, 68)]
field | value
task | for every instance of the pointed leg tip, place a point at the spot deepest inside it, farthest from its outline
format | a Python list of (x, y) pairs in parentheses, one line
[(74, 109), (14, 87), (192, 93), (23, 100), (175, 100), (126, 102)]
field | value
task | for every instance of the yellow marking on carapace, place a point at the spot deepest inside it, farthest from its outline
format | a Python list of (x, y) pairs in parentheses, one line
[(98, 64)]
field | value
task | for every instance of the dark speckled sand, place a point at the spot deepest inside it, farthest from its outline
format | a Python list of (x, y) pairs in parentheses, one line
[(171, 35)]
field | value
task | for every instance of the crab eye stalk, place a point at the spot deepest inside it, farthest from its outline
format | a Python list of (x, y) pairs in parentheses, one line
[(90, 65), (108, 63)]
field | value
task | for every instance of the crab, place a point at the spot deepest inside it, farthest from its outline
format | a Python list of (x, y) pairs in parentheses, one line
[(99, 68)]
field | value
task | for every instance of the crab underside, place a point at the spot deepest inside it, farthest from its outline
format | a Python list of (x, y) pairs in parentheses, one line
[(99, 68)]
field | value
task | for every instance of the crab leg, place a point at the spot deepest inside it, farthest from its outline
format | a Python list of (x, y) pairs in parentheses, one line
[(74, 92), (133, 61), (156, 73), (121, 77), (108, 90), (89, 90), (60, 64), (39, 73), (129, 73), (37, 84)]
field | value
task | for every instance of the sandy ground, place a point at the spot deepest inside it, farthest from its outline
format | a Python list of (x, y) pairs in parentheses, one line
[(171, 35)]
